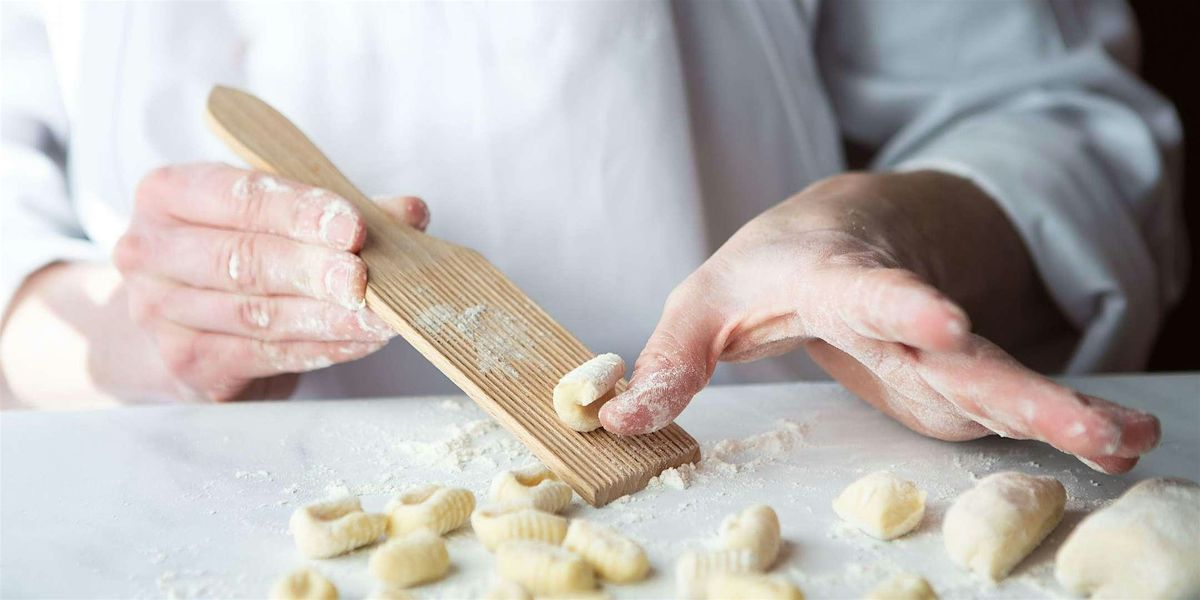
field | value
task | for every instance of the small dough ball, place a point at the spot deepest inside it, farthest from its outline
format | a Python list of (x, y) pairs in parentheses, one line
[(305, 584), (995, 525), (755, 529), (334, 527), (416, 558), (544, 569), (1146, 544), (902, 586), (576, 395), (758, 587), (881, 505)]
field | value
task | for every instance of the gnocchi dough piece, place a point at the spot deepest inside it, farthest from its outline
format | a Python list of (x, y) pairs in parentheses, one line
[(758, 587), (693, 569), (615, 557), (436, 508), (305, 584), (534, 485), (497, 524), (755, 529), (902, 586), (1146, 544), (992, 527), (334, 527), (418, 557), (576, 395), (544, 569), (881, 505)]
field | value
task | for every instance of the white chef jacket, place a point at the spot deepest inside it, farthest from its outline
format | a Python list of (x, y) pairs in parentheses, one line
[(598, 152)]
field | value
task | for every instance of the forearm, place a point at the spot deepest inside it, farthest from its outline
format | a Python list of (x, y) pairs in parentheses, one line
[(68, 342)]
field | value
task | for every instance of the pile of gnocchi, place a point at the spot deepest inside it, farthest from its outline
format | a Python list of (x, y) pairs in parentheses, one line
[(540, 554)]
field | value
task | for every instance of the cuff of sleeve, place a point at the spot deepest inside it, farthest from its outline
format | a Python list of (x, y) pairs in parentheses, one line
[(1083, 242)]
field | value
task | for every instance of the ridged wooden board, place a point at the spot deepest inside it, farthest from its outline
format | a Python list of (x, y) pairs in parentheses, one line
[(463, 315)]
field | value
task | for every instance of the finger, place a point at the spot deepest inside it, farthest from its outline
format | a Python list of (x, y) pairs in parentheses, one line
[(1016, 402), (217, 195), (676, 363), (247, 263), (917, 407), (220, 366), (894, 305), (272, 318), (409, 210)]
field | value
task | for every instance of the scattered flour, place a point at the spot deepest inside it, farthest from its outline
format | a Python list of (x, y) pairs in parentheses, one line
[(496, 337), (467, 443), (729, 457)]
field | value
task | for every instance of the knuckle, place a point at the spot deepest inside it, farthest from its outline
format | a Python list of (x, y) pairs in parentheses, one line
[(143, 309), (256, 312), (181, 355), (240, 259), (151, 187), (128, 251)]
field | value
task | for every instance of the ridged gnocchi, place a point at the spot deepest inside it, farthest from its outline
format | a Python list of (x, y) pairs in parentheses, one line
[(501, 523), (758, 587), (535, 485), (577, 395), (544, 569), (693, 569), (755, 529), (305, 584), (334, 527), (436, 508), (615, 557), (415, 558)]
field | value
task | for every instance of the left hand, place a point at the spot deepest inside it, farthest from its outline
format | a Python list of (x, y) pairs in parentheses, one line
[(860, 269)]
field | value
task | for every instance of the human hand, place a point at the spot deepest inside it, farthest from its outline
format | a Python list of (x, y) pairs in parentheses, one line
[(850, 269), (244, 279)]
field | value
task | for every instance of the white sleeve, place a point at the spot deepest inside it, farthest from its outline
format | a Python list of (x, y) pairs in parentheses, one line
[(38, 225), (1036, 103)]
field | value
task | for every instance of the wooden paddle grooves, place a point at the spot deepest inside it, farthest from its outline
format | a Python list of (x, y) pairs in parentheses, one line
[(464, 316)]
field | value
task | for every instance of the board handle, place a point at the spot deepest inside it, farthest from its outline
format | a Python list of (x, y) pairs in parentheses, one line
[(268, 141)]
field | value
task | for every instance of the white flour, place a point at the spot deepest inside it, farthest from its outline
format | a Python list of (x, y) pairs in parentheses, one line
[(497, 339)]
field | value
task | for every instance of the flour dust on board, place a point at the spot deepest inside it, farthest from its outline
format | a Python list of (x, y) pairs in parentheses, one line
[(497, 338)]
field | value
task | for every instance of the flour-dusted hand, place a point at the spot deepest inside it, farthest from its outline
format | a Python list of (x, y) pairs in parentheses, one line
[(241, 277), (860, 270)]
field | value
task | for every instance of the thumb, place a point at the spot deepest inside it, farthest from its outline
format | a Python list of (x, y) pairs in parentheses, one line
[(677, 363), (410, 210)]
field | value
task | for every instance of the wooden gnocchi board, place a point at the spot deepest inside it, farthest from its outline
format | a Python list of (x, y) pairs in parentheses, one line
[(465, 316)]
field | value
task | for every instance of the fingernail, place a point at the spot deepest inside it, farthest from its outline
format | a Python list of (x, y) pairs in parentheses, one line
[(338, 224), (957, 325), (373, 325), (343, 282)]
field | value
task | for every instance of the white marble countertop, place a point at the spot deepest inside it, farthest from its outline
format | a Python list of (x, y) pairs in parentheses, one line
[(193, 501)]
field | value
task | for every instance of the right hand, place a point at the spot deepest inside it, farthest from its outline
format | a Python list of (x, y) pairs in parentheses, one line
[(244, 279)]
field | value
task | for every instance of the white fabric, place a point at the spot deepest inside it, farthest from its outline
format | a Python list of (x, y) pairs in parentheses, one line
[(597, 152)]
